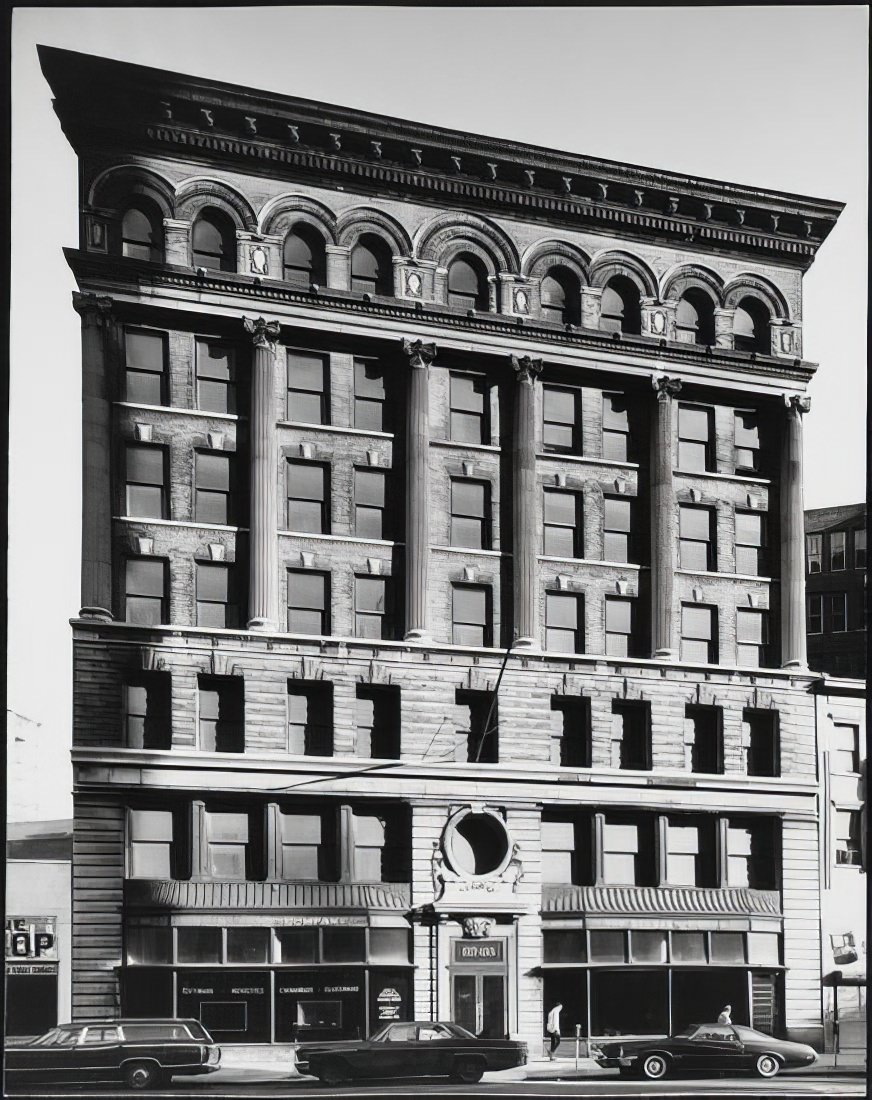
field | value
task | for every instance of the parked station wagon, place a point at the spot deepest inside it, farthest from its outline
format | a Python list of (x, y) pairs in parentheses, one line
[(142, 1053)]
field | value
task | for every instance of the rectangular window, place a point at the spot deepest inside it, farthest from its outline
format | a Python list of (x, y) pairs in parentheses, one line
[(374, 607), (750, 544), (815, 624), (648, 947), (147, 946), (751, 855), (146, 481), (618, 529), (837, 605), (609, 947), (561, 420), (572, 719), (308, 854), (369, 503), (621, 640), (308, 400), (696, 537), (470, 514), (566, 851), (564, 623), (564, 945), (690, 852), (199, 945), (148, 711), (308, 497), (150, 844), (145, 591), (297, 946), (688, 947), (381, 845), (468, 398), (752, 637), (216, 377), (838, 540), (221, 713), (481, 736), (377, 721), (563, 524), (616, 428), (310, 718), (213, 500), (370, 408), (145, 367), (308, 602), (699, 638), (627, 851), (747, 441), (248, 945), (695, 452), (763, 755), (847, 826), (471, 622), (814, 552), (343, 945), (227, 845), (860, 548), (707, 747), (632, 720), (728, 947), (389, 945), (845, 748), (217, 598)]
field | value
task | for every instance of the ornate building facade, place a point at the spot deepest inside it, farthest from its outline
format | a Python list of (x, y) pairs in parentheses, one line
[(442, 649)]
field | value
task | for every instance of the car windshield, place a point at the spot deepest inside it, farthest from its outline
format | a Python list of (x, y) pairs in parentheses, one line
[(749, 1032), (396, 1032), (688, 1031), (198, 1031)]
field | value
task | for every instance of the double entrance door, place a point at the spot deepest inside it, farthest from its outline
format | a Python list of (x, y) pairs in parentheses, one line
[(478, 1002)]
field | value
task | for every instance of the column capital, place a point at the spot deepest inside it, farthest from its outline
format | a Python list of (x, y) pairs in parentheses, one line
[(419, 354), (263, 333), (665, 387), (526, 368), (94, 309), (797, 403)]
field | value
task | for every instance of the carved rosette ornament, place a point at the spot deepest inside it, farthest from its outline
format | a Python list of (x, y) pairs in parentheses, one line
[(94, 309), (263, 333), (419, 354), (526, 368), (666, 387), (477, 928)]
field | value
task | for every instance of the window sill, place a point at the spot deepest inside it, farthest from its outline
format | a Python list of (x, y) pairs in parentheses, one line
[(335, 429), (338, 538), (487, 448), (178, 523), (472, 550), (741, 478), (593, 561), (559, 456), (725, 576)]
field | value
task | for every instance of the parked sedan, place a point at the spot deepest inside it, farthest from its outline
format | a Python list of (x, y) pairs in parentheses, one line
[(141, 1053), (419, 1049), (702, 1047)]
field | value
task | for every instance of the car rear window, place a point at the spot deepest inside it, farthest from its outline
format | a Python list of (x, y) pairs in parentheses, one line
[(156, 1032), (198, 1031)]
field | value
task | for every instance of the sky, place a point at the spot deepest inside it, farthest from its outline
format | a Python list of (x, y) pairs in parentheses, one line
[(774, 97)]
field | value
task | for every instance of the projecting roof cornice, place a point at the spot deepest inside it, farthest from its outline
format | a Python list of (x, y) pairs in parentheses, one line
[(111, 104)]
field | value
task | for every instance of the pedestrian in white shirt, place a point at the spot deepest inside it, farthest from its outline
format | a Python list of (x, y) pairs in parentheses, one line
[(724, 1017), (552, 1026)]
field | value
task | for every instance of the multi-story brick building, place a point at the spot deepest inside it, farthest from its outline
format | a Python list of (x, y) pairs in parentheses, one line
[(442, 641), (835, 547)]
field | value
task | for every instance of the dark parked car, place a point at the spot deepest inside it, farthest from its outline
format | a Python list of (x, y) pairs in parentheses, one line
[(702, 1047), (419, 1049), (141, 1053)]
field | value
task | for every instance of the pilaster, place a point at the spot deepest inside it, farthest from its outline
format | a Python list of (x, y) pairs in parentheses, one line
[(793, 637), (420, 356), (525, 525), (663, 519)]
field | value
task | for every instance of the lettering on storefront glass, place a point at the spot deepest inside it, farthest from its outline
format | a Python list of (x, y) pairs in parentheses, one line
[(190, 990), (389, 1002), (247, 990), (341, 988)]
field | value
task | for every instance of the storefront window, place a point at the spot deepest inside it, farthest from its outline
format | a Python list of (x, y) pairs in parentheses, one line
[(763, 948), (629, 1002), (728, 947), (566, 945), (688, 947), (388, 945), (248, 945), (149, 945), (234, 1005), (608, 947), (343, 945), (297, 945), (648, 946), (199, 945), (312, 1005)]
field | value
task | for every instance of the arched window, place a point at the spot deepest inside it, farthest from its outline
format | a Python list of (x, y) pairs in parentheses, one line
[(695, 318), (621, 310), (372, 267), (560, 296), (467, 283), (304, 257), (214, 241), (751, 326), (141, 239)]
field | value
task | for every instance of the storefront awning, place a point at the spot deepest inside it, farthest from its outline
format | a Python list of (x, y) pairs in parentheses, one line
[(660, 901)]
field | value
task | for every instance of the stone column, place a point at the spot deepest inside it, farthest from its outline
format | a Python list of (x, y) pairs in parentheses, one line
[(591, 306), (525, 525), (724, 319), (263, 536), (662, 519), (793, 640), (420, 356), (177, 242), (96, 314), (338, 267)]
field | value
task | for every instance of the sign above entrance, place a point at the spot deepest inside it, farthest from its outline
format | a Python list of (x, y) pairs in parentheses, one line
[(479, 951), (318, 920)]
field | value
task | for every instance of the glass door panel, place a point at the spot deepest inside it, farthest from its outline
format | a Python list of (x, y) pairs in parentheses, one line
[(493, 1006), (465, 1006)]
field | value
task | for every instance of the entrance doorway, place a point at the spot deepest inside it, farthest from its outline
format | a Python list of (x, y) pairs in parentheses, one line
[(478, 1003)]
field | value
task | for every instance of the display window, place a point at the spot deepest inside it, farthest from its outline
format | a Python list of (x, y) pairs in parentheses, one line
[(314, 1005), (234, 1005)]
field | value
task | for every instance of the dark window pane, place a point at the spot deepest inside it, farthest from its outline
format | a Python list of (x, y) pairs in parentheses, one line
[(340, 945), (145, 577), (248, 945), (198, 945)]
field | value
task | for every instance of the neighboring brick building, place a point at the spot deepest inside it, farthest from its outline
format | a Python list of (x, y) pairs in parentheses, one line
[(366, 401), (835, 584)]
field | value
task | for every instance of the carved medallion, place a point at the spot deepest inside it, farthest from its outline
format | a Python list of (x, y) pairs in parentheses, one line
[(522, 302), (259, 261), (414, 287)]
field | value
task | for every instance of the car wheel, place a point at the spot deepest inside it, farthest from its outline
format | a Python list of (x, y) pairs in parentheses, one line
[(468, 1071), (654, 1067), (142, 1075), (331, 1072), (767, 1065)]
